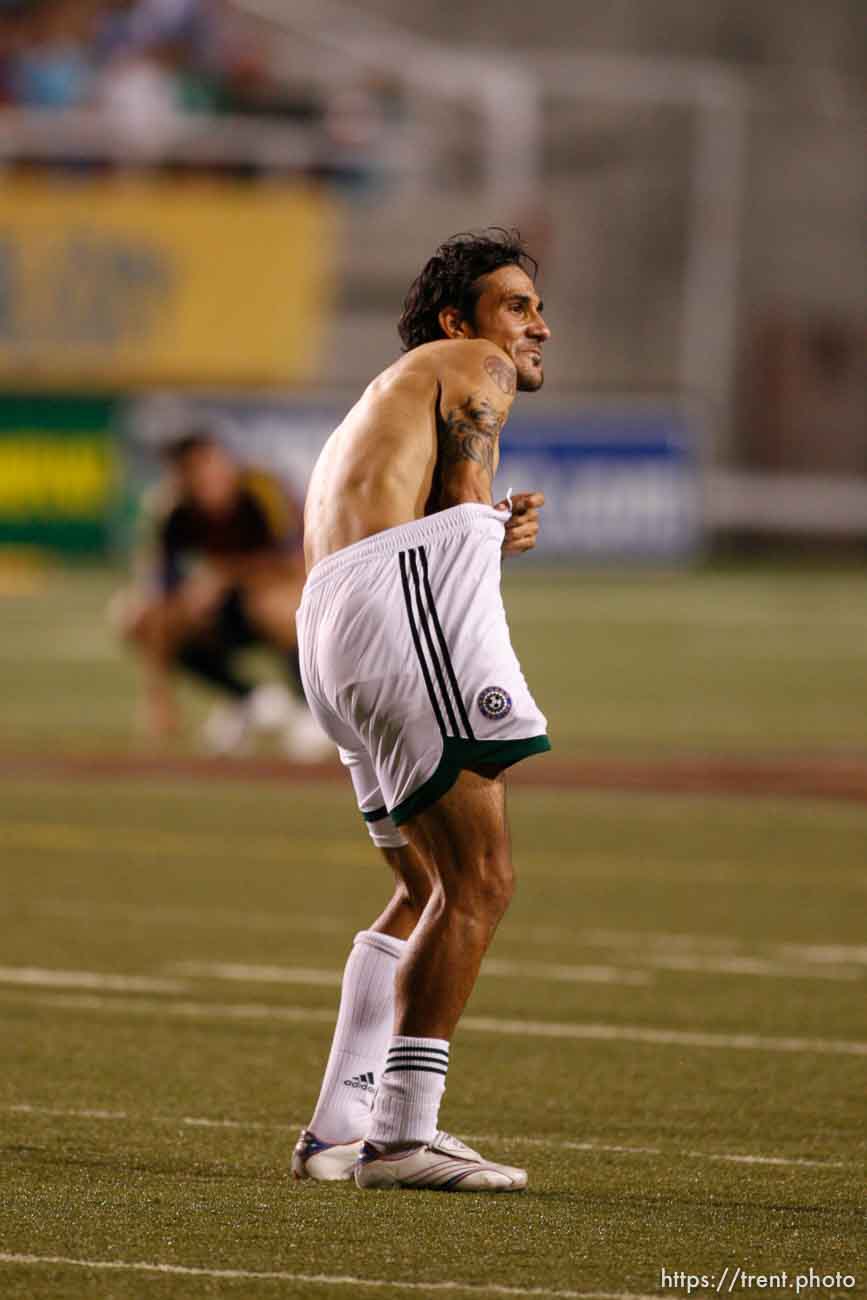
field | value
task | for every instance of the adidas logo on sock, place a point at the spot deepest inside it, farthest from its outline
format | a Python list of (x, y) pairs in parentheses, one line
[(363, 1081)]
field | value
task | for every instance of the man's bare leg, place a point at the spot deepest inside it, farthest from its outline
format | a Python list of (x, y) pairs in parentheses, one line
[(413, 884), (464, 841), (464, 837)]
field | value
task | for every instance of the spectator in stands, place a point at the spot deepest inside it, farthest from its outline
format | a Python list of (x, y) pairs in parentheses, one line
[(52, 67)]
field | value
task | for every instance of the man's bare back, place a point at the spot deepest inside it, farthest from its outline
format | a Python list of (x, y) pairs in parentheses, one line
[(423, 436)]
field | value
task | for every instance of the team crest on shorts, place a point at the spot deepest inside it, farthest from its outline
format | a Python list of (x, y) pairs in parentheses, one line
[(495, 702)]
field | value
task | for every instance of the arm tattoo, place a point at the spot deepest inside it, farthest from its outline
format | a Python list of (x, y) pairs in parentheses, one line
[(502, 374), (469, 432)]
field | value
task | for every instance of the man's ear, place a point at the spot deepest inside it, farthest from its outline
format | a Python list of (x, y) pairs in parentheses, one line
[(454, 325)]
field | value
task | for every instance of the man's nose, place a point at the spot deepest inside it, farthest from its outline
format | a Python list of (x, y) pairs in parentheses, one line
[(539, 329)]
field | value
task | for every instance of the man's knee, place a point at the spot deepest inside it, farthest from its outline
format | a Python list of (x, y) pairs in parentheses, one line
[(412, 880), (465, 837)]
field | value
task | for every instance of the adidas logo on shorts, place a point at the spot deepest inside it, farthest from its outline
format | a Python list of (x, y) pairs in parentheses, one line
[(362, 1081)]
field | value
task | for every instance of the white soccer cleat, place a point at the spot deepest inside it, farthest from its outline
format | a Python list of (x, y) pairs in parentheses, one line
[(446, 1165), (268, 710), (272, 707), (324, 1162), (228, 729)]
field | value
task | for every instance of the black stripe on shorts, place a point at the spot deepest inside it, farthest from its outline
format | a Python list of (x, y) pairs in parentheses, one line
[(424, 616)]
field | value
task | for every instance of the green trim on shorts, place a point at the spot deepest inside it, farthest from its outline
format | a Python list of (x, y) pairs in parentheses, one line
[(461, 754), (378, 815)]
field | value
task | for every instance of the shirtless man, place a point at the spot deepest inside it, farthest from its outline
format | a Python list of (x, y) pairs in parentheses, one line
[(408, 667)]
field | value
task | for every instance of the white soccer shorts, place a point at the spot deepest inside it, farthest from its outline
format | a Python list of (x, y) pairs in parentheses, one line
[(407, 662)]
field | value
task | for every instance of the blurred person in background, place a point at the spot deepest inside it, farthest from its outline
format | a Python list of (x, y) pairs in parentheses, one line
[(155, 58), (222, 571), (50, 66)]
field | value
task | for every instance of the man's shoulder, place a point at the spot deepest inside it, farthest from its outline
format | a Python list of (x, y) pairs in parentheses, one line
[(456, 351), (450, 356)]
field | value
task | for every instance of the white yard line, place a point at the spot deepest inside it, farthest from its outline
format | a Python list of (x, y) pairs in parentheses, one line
[(239, 972), (257, 1011), (760, 967), (38, 977), (315, 1279), (561, 973), (765, 1160), (244, 973), (555, 972), (672, 1037), (549, 1143), (829, 952), (26, 1108), (206, 918), (247, 974)]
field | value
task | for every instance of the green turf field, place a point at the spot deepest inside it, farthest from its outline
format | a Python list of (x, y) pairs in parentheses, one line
[(669, 1033)]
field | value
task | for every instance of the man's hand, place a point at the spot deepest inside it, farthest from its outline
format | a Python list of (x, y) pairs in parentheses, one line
[(523, 527)]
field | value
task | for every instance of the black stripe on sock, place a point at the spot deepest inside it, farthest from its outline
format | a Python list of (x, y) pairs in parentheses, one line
[(417, 642), (423, 619), (417, 1065), (443, 645)]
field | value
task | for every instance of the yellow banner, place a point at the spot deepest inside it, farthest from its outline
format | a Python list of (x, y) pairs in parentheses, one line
[(118, 283)]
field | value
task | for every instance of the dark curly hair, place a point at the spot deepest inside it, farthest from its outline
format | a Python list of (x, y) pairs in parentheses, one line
[(451, 279)]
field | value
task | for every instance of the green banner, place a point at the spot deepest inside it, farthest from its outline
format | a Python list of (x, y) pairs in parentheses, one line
[(58, 471)]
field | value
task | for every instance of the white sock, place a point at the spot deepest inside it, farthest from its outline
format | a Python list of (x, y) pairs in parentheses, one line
[(407, 1101), (361, 1037)]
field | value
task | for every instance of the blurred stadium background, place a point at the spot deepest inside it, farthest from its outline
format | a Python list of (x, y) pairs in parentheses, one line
[(210, 211)]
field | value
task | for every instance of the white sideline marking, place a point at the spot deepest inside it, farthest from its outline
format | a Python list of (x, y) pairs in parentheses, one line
[(760, 966), (564, 974), (317, 1279), (478, 1024), (558, 973), (831, 952), (243, 973), (191, 1121), (207, 918), (673, 1037), (25, 1108), (35, 976), (766, 1160), (552, 1144)]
